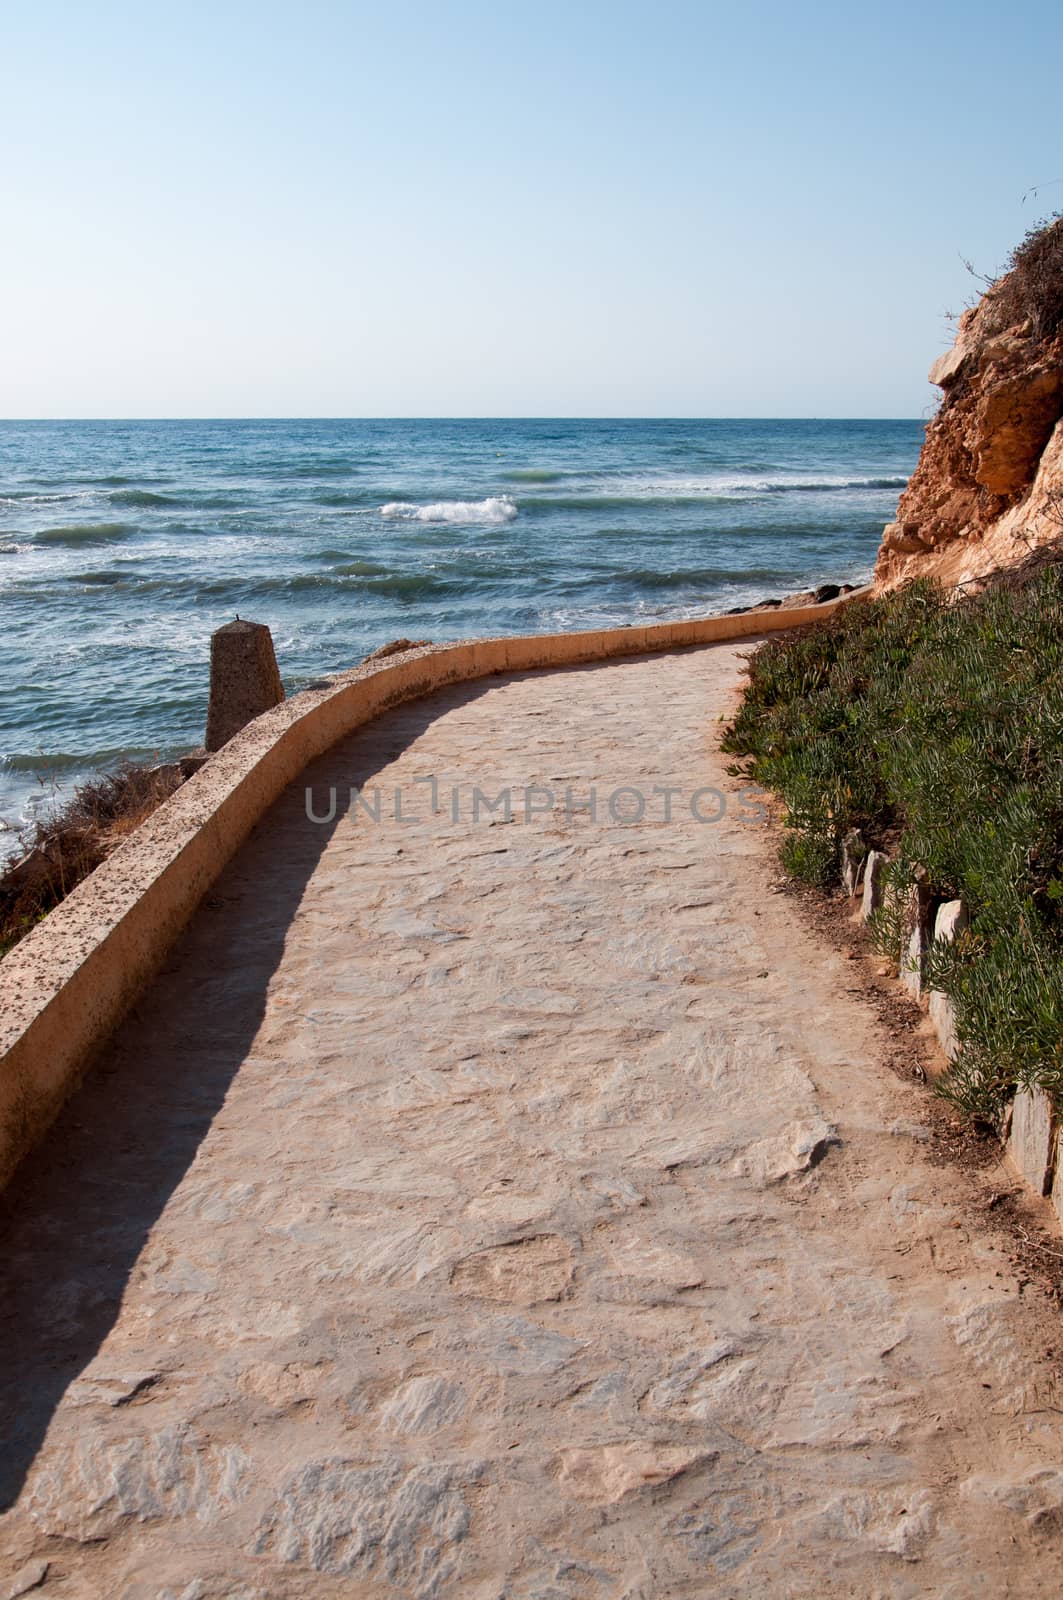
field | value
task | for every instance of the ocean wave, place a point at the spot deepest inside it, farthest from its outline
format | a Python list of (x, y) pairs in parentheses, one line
[(532, 475), (492, 511), (85, 533), (361, 569), (229, 500), (722, 487), (341, 498), (400, 585), (98, 578), (829, 485), (117, 480), (408, 585), (307, 468), (648, 501), (24, 498), (238, 593), (237, 588), (140, 497), (616, 502), (768, 483), (58, 761), (681, 577)]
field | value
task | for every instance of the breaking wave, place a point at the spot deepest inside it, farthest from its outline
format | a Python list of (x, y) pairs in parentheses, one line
[(493, 511), (721, 485), (25, 498)]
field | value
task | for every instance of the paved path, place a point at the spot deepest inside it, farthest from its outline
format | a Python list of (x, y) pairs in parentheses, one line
[(514, 1209)]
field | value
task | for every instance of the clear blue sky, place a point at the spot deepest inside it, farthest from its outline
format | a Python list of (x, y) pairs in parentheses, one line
[(498, 209)]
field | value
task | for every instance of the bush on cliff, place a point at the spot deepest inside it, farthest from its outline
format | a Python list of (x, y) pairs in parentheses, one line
[(934, 725), (1032, 287)]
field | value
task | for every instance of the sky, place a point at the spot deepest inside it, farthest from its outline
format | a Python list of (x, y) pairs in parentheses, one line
[(466, 209)]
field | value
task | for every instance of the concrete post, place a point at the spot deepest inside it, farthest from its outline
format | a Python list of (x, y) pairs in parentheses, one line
[(874, 870), (1031, 1141), (916, 934), (244, 680), (950, 921)]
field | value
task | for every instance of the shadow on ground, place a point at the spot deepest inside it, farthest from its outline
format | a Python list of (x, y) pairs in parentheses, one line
[(76, 1216)]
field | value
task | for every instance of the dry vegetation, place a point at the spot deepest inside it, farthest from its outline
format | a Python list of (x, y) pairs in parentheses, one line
[(64, 847), (1032, 288)]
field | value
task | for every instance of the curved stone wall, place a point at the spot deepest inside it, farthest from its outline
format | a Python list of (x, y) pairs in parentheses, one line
[(67, 985)]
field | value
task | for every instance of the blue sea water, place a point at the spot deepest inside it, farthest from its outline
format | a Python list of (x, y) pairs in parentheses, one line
[(123, 545)]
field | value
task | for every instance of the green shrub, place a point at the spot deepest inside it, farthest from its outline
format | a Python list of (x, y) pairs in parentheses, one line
[(935, 726)]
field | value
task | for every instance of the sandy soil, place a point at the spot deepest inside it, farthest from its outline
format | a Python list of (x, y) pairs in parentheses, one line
[(516, 1209)]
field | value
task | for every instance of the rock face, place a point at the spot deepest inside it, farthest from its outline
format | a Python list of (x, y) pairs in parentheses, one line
[(989, 484)]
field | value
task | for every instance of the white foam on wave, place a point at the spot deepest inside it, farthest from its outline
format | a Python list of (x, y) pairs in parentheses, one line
[(494, 510), (736, 483)]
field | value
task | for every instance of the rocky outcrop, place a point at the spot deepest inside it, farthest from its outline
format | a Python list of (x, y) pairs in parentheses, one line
[(989, 484)]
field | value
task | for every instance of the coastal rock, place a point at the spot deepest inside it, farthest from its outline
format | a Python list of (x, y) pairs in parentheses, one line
[(947, 368), (29, 1577), (988, 487), (1013, 423), (394, 648), (898, 540)]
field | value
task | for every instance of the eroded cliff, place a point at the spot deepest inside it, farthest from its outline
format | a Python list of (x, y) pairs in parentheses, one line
[(989, 484)]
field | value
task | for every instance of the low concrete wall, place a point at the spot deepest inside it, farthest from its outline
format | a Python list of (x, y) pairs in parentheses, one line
[(65, 988)]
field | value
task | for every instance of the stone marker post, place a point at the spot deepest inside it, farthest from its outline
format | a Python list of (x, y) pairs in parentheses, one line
[(244, 680)]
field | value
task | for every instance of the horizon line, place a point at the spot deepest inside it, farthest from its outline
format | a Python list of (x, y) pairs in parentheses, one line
[(470, 417)]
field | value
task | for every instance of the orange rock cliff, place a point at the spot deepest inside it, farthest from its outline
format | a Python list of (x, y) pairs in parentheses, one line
[(989, 484)]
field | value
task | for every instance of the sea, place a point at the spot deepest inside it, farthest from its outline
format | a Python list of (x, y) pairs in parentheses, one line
[(123, 545)]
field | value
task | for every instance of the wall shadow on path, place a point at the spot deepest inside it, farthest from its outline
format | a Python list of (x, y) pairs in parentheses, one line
[(76, 1215)]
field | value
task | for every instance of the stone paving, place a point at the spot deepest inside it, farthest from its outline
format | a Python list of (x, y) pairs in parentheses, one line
[(514, 1210)]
